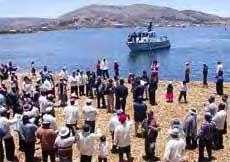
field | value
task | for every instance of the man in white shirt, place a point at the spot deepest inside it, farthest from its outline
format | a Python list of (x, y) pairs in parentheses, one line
[(42, 101), (219, 119), (105, 67), (113, 123), (89, 113), (174, 147), (64, 74), (74, 83), (71, 115), (49, 117), (122, 140), (85, 143)]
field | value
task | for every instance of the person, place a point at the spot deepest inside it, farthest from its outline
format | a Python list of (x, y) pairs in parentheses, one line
[(8, 138), (71, 116), (183, 92), (219, 78), (49, 116), (64, 74), (155, 69), (64, 145), (3, 131), (145, 80), (82, 83), (47, 137), (62, 91), (86, 143), (113, 123), (212, 107), (205, 75), (140, 109), (100, 92), (27, 133), (105, 68), (152, 89), (219, 119), (175, 147), (169, 92), (121, 93), (138, 89), (187, 72), (122, 139), (103, 150), (33, 69), (110, 91), (190, 129), (74, 83), (116, 68), (89, 114), (206, 137), (98, 69), (150, 130), (13, 100)]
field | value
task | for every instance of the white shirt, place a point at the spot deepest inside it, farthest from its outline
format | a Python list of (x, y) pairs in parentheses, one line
[(64, 143), (114, 121), (122, 134), (47, 86), (71, 114), (83, 79), (8, 124), (52, 120), (219, 68), (64, 74), (104, 65), (89, 113), (174, 150), (42, 101), (103, 149), (86, 143), (74, 81), (219, 119)]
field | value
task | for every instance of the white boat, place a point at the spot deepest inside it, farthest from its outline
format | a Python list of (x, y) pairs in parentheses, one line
[(147, 41)]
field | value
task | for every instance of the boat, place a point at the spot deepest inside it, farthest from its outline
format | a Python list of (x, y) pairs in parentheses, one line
[(147, 41)]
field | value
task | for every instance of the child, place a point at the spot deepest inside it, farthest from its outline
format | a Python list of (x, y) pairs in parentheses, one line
[(183, 92), (169, 93), (103, 150)]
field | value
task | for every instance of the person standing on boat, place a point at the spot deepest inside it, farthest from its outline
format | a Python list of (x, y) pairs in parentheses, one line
[(205, 75), (150, 26), (187, 72), (219, 78), (116, 68)]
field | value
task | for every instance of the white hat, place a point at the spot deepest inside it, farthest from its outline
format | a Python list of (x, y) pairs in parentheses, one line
[(119, 111), (45, 121), (88, 101), (49, 109), (64, 131), (174, 132), (192, 110)]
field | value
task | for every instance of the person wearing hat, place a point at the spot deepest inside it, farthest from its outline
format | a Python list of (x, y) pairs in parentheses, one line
[(205, 75), (220, 120), (27, 133), (176, 123), (47, 137), (122, 135), (121, 93), (86, 143), (205, 137), (190, 129), (48, 116), (64, 145), (212, 107), (8, 138), (110, 91), (140, 109), (113, 123), (71, 115), (187, 72), (116, 68), (89, 114), (175, 147)]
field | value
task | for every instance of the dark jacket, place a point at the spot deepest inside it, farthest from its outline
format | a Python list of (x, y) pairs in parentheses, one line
[(121, 91), (138, 91), (139, 111)]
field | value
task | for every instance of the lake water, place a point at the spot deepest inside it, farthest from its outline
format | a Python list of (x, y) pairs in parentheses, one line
[(81, 49)]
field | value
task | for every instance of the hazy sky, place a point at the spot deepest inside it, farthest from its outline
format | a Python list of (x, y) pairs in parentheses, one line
[(55, 8)]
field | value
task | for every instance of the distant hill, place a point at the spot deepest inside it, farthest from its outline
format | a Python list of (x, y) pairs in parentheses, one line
[(115, 16)]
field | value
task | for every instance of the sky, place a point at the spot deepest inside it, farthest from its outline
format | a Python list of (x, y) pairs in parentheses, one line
[(55, 8)]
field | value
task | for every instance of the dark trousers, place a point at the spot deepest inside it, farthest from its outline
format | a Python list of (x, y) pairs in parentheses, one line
[(191, 142), (98, 72), (82, 90), (219, 88), (99, 99), (72, 128), (124, 150), (205, 144), (105, 74), (10, 148), (218, 139), (74, 89), (120, 103), (149, 151), (152, 96), (1, 151), (45, 155), (205, 76), (101, 159), (85, 158), (187, 78), (87, 90), (116, 72), (183, 94), (92, 125), (29, 149)]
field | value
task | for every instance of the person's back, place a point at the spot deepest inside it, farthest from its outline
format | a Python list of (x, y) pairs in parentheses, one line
[(89, 113), (140, 109), (28, 132), (122, 134), (71, 114)]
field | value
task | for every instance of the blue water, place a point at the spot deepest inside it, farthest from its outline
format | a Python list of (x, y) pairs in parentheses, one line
[(81, 49)]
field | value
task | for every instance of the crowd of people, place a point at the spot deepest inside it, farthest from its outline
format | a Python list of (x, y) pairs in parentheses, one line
[(28, 106)]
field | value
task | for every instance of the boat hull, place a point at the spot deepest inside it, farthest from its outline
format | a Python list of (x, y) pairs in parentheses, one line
[(148, 46)]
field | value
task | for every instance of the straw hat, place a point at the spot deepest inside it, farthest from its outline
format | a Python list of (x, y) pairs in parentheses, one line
[(64, 131), (192, 111), (174, 132), (49, 109)]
